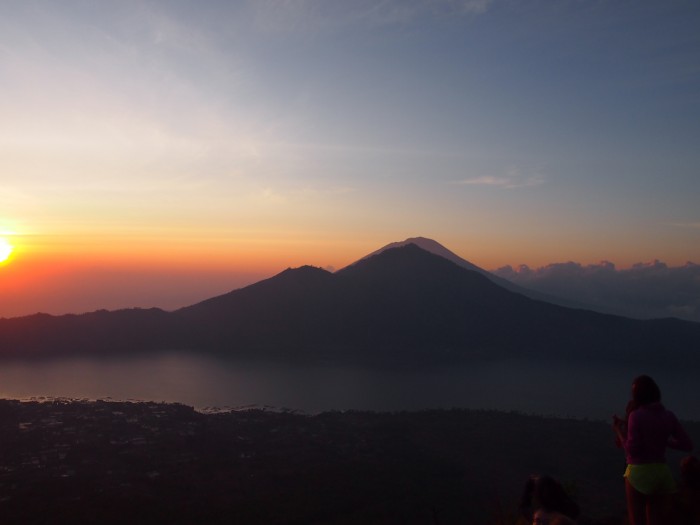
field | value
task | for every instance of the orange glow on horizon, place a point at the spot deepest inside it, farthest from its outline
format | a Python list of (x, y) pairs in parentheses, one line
[(188, 253), (75, 273), (55, 254)]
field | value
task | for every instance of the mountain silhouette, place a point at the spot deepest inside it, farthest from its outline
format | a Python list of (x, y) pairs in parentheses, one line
[(436, 248), (403, 306)]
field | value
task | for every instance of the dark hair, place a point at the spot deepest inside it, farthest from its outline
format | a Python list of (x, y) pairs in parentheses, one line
[(645, 391), (544, 492)]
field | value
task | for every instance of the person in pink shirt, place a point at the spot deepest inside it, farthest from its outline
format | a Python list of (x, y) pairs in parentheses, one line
[(646, 434)]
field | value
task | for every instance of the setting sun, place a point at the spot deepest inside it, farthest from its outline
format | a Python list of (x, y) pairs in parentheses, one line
[(5, 250)]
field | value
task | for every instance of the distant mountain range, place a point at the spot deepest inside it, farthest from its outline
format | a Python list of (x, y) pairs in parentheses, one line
[(401, 306)]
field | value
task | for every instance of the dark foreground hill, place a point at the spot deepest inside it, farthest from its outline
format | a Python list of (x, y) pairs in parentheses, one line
[(403, 306), (148, 463)]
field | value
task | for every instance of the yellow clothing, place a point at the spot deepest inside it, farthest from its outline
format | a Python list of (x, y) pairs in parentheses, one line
[(651, 478)]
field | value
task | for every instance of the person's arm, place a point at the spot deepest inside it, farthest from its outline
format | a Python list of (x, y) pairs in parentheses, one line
[(620, 429)]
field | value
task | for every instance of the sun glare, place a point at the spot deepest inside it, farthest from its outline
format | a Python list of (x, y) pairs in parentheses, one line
[(5, 250)]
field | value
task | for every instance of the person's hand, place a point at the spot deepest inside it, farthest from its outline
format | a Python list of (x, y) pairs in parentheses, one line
[(620, 428)]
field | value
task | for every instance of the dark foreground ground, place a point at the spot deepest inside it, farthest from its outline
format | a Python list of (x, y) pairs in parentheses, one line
[(113, 462)]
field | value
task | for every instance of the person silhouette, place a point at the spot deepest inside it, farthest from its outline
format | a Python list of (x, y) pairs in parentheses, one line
[(648, 431), (688, 501), (545, 502)]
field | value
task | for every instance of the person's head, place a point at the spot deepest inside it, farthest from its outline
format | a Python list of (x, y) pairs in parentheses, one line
[(544, 492), (645, 391)]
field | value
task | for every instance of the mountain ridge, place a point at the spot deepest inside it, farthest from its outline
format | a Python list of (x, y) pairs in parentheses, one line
[(404, 306)]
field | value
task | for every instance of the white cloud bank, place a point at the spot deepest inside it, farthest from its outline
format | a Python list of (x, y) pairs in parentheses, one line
[(646, 290)]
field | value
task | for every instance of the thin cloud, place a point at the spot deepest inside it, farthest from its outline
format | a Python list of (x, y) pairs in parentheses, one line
[(510, 181), (286, 15), (473, 6), (401, 11), (486, 181), (691, 225)]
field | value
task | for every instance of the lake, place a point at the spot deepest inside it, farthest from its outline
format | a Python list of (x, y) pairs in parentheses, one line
[(563, 389)]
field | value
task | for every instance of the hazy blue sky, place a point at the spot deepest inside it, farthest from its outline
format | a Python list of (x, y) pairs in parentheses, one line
[(271, 133)]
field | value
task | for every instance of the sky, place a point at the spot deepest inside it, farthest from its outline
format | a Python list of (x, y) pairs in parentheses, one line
[(155, 153)]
